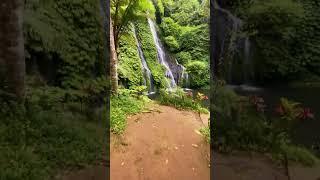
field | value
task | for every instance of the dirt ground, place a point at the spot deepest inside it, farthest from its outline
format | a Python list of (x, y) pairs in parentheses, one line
[(161, 145)]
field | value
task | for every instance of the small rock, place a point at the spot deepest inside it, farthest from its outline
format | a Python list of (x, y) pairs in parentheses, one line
[(122, 163), (192, 169), (167, 161), (176, 148), (194, 145)]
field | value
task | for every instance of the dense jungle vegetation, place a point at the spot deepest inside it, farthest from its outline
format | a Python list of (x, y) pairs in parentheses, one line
[(285, 38), (284, 48), (183, 31), (54, 115), (53, 118)]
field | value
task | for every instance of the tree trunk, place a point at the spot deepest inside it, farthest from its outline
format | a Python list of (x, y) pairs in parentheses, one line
[(12, 60), (114, 61)]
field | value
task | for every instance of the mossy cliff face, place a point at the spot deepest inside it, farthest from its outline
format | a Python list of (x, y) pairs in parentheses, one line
[(67, 34), (150, 53), (130, 67)]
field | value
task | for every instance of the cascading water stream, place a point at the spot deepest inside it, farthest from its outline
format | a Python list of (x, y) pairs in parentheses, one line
[(145, 69), (247, 70), (229, 23), (183, 76), (161, 56)]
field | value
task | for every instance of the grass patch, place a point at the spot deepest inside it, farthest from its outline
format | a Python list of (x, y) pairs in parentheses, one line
[(126, 102), (205, 131), (180, 100)]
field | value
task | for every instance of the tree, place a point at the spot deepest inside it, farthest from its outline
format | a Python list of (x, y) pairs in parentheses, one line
[(12, 59), (122, 13), (114, 60)]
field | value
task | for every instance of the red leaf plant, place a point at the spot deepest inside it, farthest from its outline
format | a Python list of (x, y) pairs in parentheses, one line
[(306, 113)]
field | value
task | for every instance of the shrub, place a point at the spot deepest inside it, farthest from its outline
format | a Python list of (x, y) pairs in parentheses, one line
[(126, 102), (242, 125), (180, 100), (171, 43), (199, 73), (39, 140)]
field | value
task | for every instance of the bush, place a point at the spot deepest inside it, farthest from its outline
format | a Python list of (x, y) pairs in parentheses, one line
[(180, 100), (199, 73), (242, 125), (171, 43), (183, 57), (127, 102), (38, 142), (129, 61)]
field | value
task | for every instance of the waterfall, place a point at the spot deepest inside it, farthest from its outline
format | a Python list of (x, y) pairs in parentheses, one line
[(234, 46), (162, 56), (182, 75), (185, 77), (247, 70), (145, 69), (236, 24)]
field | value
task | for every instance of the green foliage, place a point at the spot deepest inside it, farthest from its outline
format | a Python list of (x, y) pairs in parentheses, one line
[(160, 6), (300, 154), (170, 27), (130, 66), (126, 102), (184, 13), (69, 34), (308, 38), (125, 11), (199, 73), (185, 32), (205, 131), (286, 37), (184, 57), (38, 141), (180, 100), (241, 127), (289, 115), (172, 43)]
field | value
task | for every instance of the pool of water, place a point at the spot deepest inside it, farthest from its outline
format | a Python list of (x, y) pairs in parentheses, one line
[(305, 133)]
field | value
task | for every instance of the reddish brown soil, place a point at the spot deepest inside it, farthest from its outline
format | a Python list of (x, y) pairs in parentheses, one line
[(160, 145)]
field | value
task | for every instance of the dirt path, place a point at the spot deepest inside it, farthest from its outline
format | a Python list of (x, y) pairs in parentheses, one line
[(164, 144), (160, 145), (246, 167)]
